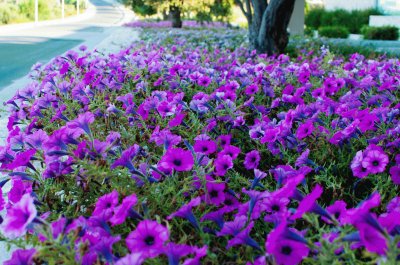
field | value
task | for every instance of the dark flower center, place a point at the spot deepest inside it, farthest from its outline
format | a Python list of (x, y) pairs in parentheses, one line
[(253, 159), (363, 169), (228, 202), (225, 166), (337, 214), (149, 240), (375, 163), (214, 193), (204, 149), (286, 250), (108, 205), (275, 208), (223, 142), (177, 162)]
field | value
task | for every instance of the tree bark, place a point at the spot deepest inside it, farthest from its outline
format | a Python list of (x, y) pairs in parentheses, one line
[(175, 13), (268, 24)]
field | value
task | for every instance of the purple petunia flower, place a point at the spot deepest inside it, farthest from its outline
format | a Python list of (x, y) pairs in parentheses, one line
[(374, 159), (222, 164), (186, 212), (308, 202), (105, 205), (251, 89), (305, 130), (231, 151), (204, 81), (373, 240), (252, 159), (177, 159), (395, 174), (284, 250), (357, 167), (224, 140), (122, 211), (126, 158), (19, 216), (82, 122), (148, 239), (21, 257), (20, 160), (131, 259), (215, 193), (205, 146)]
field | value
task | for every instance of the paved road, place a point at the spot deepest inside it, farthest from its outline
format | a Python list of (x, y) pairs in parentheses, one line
[(20, 48)]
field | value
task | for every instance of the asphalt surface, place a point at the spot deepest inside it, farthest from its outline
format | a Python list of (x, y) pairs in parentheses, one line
[(21, 48)]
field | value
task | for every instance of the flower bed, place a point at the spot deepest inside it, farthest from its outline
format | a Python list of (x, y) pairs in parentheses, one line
[(168, 24), (180, 150)]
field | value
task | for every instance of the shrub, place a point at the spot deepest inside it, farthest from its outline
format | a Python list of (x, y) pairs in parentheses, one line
[(333, 32), (353, 20), (380, 33), (313, 18)]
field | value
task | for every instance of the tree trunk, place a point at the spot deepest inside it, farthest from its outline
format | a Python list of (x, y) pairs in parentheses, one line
[(175, 13), (268, 24)]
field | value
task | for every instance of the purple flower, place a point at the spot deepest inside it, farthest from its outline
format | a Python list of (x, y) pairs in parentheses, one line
[(205, 146), (131, 259), (222, 164), (215, 193), (105, 205), (374, 160), (122, 211), (204, 81), (240, 232), (148, 239), (175, 252), (373, 240), (251, 89), (19, 216), (20, 160), (308, 202), (126, 158), (185, 212), (177, 120), (337, 209), (357, 167), (231, 151), (395, 174), (21, 257), (284, 250), (305, 130), (82, 122), (252, 159), (178, 159), (224, 140)]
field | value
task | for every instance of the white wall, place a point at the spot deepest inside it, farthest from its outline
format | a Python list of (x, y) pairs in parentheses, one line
[(349, 4)]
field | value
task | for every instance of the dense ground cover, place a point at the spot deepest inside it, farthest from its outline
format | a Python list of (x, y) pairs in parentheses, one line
[(188, 148)]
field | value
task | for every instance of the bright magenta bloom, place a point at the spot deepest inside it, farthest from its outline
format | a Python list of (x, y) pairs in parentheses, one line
[(148, 239), (178, 159), (19, 216)]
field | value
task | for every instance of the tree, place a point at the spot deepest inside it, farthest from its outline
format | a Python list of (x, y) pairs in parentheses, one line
[(202, 10), (268, 22)]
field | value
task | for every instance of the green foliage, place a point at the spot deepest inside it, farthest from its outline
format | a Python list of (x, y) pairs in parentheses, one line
[(221, 9), (352, 20), (8, 13), (24, 10), (300, 46), (142, 8), (380, 33), (334, 32), (313, 18)]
